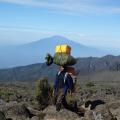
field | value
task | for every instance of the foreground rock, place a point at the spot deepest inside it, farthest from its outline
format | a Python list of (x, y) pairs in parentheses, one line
[(52, 114), (2, 116), (20, 111)]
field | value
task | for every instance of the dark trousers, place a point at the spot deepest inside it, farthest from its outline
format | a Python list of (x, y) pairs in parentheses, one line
[(60, 99)]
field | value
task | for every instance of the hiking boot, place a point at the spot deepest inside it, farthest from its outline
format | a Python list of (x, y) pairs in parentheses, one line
[(54, 100), (75, 106), (58, 106)]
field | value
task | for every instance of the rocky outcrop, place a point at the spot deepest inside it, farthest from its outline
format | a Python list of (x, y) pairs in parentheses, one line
[(2, 116), (19, 111), (64, 114)]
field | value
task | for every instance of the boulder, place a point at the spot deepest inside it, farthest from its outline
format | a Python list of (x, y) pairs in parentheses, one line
[(19, 112), (2, 116), (63, 114)]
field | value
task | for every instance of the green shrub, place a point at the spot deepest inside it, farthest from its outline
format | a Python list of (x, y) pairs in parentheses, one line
[(5, 94), (90, 84), (43, 93)]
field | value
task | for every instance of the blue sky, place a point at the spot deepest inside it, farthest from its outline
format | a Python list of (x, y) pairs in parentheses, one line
[(90, 22)]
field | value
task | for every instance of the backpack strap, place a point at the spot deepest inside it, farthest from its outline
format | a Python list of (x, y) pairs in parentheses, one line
[(65, 77), (59, 73)]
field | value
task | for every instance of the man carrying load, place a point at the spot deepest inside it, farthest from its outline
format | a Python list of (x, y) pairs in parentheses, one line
[(62, 85), (64, 81)]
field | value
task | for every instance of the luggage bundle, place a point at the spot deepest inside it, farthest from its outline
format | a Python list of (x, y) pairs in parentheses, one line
[(61, 57)]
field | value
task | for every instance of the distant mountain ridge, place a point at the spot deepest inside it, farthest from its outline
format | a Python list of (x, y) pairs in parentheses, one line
[(35, 52), (84, 66)]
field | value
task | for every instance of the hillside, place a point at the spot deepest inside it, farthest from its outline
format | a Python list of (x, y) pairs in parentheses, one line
[(34, 52), (18, 102), (84, 66)]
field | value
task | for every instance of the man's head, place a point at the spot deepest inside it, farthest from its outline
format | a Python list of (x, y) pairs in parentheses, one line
[(63, 68)]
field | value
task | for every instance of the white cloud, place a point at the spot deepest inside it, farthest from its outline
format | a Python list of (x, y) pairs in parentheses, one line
[(70, 6)]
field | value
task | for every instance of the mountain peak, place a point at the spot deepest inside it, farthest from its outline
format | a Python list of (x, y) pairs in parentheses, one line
[(35, 52), (59, 37)]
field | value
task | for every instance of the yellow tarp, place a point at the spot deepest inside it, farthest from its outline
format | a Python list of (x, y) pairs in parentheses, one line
[(63, 49)]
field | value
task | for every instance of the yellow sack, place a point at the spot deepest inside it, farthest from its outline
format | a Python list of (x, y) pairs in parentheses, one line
[(63, 49)]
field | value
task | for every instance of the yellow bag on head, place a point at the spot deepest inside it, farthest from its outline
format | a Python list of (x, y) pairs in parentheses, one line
[(63, 49)]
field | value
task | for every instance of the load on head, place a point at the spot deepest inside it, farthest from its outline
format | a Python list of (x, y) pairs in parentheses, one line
[(62, 56), (63, 49)]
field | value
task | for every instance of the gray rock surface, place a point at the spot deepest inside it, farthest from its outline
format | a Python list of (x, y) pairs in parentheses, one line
[(18, 111)]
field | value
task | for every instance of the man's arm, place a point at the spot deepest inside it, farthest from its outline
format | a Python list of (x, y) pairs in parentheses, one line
[(70, 82), (56, 82)]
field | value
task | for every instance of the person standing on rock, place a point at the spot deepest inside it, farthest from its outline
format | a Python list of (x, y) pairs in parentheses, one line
[(63, 83)]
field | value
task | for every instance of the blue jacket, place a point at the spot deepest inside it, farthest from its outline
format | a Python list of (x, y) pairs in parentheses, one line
[(66, 82)]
